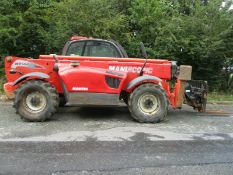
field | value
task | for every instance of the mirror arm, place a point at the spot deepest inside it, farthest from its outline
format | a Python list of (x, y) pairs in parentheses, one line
[(145, 55)]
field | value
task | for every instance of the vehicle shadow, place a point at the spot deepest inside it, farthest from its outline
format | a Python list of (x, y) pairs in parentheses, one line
[(116, 114), (94, 113)]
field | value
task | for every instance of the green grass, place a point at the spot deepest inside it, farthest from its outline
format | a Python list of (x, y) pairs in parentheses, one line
[(220, 97), (2, 80)]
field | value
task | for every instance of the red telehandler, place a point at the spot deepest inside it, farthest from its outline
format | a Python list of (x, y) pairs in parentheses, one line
[(98, 72)]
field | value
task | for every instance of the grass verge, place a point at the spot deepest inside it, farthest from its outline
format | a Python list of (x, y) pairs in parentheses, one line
[(2, 80), (220, 97)]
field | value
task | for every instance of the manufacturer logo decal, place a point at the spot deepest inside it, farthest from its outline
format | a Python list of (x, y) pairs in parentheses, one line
[(80, 88), (133, 69), (22, 63)]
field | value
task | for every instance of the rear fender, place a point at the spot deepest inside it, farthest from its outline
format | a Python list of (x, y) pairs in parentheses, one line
[(143, 79), (37, 75)]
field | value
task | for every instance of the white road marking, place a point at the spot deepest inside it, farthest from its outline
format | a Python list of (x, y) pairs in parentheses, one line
[(121, 134)]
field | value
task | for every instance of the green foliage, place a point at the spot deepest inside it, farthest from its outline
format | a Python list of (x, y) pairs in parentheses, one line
[(198, 33), (2, 77), (230, 83), (217, 96), (191, 33), (101, 19)]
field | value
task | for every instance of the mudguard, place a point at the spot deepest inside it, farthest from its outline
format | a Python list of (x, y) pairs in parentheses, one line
[(141, 79), (33, 74)]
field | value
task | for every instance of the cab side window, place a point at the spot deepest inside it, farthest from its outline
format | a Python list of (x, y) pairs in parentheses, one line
[(100, 49), (76, 48)]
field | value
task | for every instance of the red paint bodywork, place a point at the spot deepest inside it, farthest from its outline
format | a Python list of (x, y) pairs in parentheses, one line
[(90, 75)]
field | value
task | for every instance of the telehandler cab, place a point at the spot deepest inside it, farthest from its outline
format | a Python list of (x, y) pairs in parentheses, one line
[(98, 72)]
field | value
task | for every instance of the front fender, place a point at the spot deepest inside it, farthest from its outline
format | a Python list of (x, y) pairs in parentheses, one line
[(142, 79), (33, 74)]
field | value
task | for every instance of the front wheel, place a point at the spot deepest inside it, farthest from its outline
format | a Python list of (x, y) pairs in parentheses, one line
[(148, 103), (36, 100)]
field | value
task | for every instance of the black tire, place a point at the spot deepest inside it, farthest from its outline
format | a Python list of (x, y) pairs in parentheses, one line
[(142, 103), (62, 101), (36, 101), (125, 97)]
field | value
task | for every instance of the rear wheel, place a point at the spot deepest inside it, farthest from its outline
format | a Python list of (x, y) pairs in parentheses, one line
[(62, 101), (36, 100), (148, 103)]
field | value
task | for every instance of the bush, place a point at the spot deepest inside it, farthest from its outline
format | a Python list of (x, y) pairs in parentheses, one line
[(2, 76)]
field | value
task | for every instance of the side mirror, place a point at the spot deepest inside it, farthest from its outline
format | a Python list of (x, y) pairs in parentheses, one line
[(143, 50)]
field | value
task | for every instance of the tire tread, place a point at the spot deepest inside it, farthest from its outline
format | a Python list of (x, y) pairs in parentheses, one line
[(44, 85), (140, 88)]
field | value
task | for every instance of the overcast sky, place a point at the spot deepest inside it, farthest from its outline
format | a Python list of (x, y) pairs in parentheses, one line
[(224, 3)]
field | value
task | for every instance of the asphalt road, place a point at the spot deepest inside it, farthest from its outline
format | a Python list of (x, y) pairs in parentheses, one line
[(107, 141)]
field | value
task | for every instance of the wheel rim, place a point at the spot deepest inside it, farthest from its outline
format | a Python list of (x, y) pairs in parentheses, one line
[(148, 104), (35, 102)]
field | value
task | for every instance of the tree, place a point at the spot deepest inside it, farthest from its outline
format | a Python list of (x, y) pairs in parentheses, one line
[(198, 33), (192, 36), (93, 18)]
